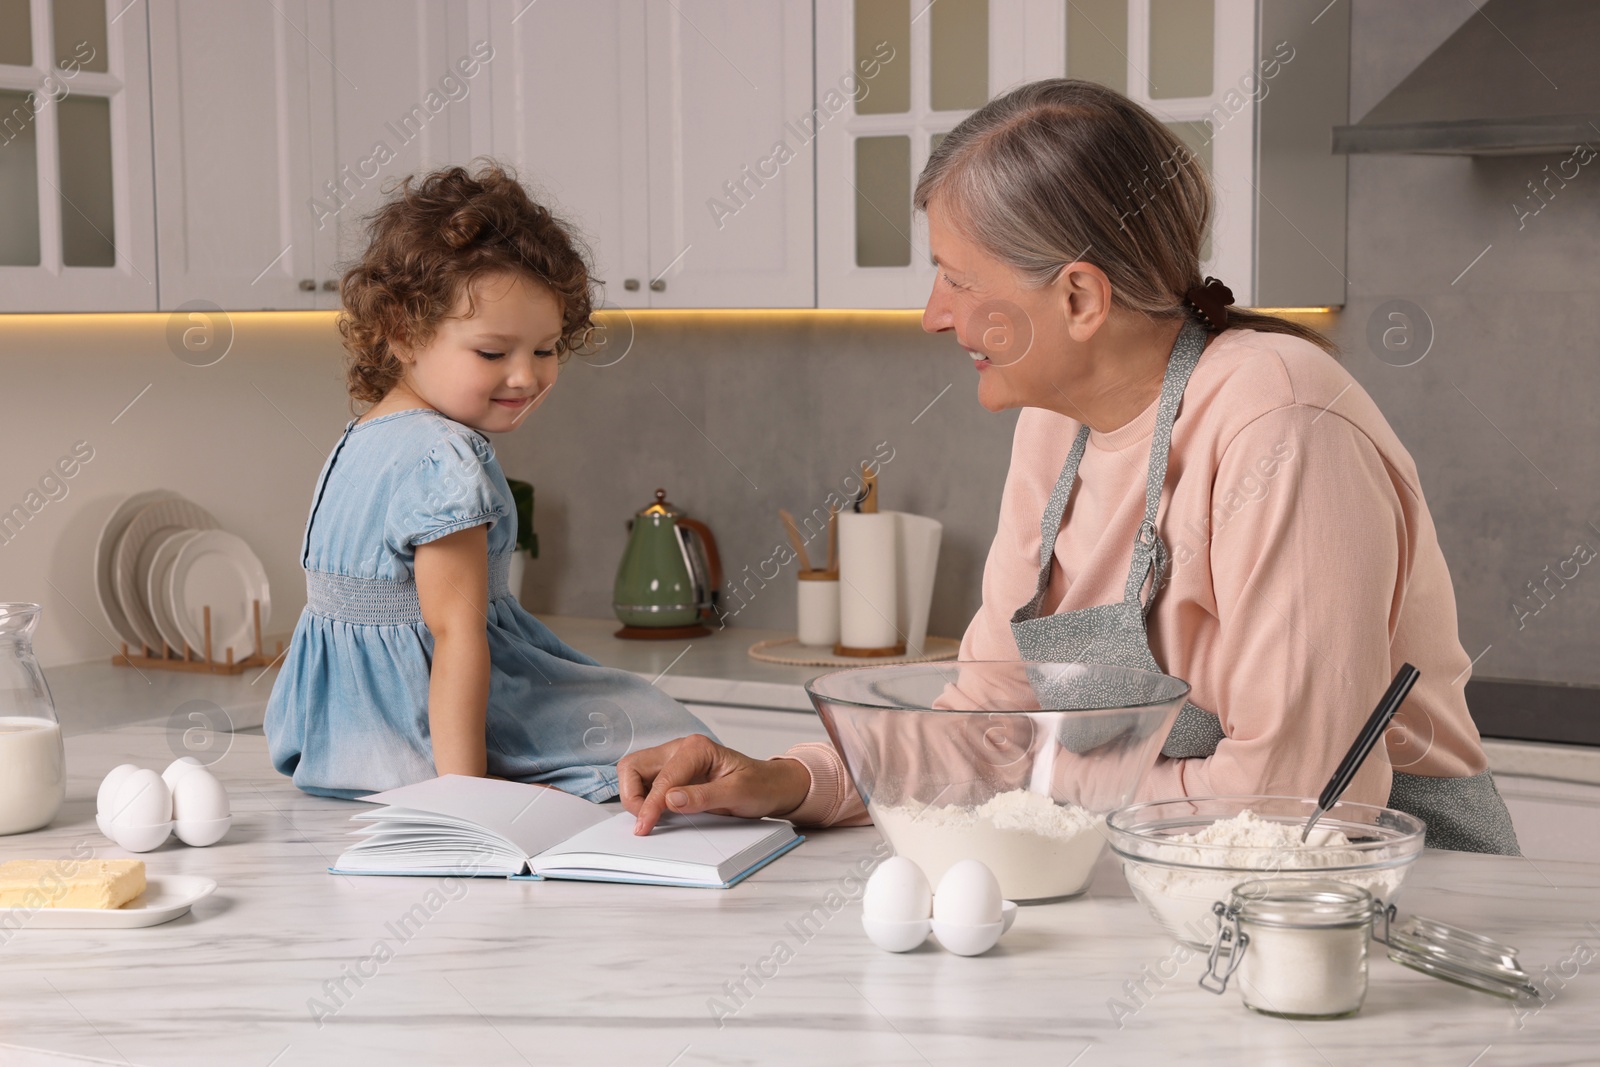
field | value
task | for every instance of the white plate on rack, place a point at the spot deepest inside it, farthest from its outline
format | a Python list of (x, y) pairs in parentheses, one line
[(105, 548), (218, 569), (130, 562), (155, 590), (164, 899)]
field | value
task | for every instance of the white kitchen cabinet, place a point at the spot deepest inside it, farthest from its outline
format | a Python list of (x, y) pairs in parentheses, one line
[(568, 86), (234, 133), (731, 210), (1555, 820), (404, 80), (892, 77), (279, 126), (77, 232), (657, 129), (1261, 116), (1252, 87)]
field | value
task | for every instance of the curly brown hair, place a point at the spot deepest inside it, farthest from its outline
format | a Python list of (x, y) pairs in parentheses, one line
[(429, 243)]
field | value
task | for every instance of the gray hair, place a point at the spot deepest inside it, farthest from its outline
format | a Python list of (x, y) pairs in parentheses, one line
[(1062, 170)]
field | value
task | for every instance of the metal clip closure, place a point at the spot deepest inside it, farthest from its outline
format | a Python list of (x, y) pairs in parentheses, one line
[(1388, 911), (1228, 933)]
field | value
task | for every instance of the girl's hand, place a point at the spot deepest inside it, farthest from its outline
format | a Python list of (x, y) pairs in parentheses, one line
[(695, 774)]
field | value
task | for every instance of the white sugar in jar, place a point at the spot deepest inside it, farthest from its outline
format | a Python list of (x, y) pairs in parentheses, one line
[(1297, 946)]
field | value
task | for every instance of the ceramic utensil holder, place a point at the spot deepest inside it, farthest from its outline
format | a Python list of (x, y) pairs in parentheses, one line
[(819, 607)]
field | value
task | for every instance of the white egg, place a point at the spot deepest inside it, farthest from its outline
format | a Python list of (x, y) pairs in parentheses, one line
[(968, 895), (108, 787), (199, 798), (897, 892), (178, 768), (142, 799)]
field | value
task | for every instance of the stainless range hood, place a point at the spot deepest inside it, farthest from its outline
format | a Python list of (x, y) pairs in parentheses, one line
[(1519, 77)]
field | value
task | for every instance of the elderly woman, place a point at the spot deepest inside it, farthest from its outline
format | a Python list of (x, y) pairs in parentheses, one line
[(1193, 488)]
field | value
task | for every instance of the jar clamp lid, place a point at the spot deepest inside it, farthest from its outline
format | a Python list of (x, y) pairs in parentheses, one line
[(1455, 955)]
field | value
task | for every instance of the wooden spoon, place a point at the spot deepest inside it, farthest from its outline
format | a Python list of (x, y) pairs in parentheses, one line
[(795, 539)]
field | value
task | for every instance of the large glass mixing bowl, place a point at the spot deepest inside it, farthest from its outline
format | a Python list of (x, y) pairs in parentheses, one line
[(1010, 762)]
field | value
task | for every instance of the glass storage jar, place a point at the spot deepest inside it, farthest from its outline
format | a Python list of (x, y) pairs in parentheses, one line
[(1299, 947)]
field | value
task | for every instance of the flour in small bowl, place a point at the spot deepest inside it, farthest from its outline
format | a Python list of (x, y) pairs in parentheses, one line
[(1243, 847), (1036, 848)]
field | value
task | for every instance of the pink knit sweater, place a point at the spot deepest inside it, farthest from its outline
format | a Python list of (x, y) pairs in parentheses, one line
[(1305, 569)]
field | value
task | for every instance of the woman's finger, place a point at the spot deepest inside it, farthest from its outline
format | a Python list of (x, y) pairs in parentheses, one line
[(689, 762), (636, 771)]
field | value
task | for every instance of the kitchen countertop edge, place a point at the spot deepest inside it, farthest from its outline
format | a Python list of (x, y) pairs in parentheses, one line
[(708, 670)]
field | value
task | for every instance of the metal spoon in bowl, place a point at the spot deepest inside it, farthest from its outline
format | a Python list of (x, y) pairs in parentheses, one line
[(1404, 679)]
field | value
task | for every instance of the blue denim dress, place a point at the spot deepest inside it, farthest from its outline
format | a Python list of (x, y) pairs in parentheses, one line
[(348, 714)]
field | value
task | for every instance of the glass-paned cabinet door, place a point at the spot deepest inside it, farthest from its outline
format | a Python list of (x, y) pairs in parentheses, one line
[(77, 233), (892, 78), (1193, 64)]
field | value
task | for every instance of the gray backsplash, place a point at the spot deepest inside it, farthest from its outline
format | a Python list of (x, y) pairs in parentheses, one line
[(737, 416)]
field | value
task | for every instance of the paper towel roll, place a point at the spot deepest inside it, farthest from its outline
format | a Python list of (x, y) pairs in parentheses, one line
[(868, 581), (917, 561)]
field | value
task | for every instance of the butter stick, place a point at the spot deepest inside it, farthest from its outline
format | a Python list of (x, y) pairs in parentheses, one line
[(70, 883)]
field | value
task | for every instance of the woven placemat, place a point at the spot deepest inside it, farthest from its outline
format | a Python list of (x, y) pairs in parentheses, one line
[(789, 651)]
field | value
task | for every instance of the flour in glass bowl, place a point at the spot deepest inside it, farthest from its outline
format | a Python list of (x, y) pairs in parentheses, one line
[(1036, 848), (1181, 898)]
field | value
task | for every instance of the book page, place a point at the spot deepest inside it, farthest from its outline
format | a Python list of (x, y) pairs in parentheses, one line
[(677, 843), (531, 817)]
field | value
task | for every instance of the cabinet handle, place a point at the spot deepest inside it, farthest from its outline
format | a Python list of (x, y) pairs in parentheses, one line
[(330, 286), (631, 284), (308, 285), (658, 286)]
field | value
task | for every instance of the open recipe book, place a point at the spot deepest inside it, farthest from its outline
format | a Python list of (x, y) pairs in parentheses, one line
[(483, 827)]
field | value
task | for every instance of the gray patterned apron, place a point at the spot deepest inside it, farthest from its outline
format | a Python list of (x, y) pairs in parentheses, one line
[(1465, 814)]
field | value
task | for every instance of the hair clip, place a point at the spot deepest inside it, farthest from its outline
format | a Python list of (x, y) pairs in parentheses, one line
[(1210, 301)]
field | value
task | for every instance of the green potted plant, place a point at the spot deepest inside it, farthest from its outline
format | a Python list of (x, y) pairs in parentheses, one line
[(527, 541)]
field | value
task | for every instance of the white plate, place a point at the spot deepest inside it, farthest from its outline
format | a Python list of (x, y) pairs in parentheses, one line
[(155, 590), (173, 513), (163, 900), (105, 548), (218, 569)]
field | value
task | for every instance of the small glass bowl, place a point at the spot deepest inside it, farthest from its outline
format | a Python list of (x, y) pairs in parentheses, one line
[(1179, 882)]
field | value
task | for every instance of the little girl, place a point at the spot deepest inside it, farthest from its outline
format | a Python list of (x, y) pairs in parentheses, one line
[(412, 657)]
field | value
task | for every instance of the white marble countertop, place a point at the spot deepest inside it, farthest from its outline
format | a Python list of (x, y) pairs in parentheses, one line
[(495, 972)]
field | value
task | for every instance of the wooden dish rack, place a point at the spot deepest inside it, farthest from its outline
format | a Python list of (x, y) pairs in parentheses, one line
[(169, 660)]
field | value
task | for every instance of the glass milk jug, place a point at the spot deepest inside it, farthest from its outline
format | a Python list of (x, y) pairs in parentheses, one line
[(33, 772)]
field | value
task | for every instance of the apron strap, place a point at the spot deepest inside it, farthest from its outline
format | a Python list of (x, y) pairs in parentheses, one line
[(1149, 561), (1050, 524), (1149, 553)]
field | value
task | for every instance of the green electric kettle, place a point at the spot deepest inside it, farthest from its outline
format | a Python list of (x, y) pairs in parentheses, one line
[(667, 583)]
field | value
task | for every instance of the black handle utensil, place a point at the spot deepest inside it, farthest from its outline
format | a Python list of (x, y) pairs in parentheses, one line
[(1404, 679)]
